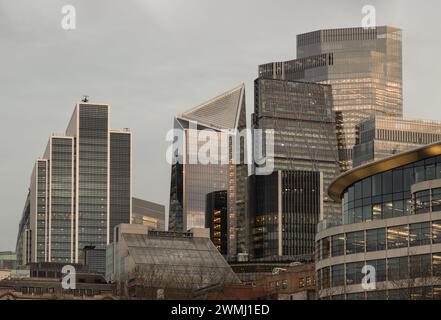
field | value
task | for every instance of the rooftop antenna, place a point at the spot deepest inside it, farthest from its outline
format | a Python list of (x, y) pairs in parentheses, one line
[(85, 98)]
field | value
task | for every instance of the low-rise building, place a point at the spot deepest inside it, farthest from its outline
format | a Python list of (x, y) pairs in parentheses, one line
[(149, 264)]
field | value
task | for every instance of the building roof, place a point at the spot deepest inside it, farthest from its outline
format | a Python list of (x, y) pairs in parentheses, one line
[(340, 184), (221, 112), (182, 260)]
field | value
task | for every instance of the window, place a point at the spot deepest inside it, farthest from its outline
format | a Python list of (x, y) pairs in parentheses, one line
[(325, 248), (376, 185), (376, 295), (419, 234), (301, 282), (376, 240), (353, 273), (436, 232), (338, 245), (387, 182), (420, 266), (376, 212), (436, 199), (422, 202), (436, 264), (387, 210), (355, 242), (338, 275), (380, 269), (326, 278), (397, 268), (397, 237)]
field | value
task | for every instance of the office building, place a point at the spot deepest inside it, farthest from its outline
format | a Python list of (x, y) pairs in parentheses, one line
[(216, 219), (148, 213), (219, 121), (79, 189), (364, 67), (304, 129), (379, 137), (391, 222), (285, 208), (167, 265)]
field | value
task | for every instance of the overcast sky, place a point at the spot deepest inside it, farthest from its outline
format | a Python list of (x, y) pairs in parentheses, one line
[(152, 59)]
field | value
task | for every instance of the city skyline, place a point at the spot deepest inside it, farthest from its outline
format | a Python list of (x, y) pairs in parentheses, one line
[(129, 96)]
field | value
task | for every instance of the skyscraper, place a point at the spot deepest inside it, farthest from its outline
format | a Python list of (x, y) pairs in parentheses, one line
[(79, 189), (304, 125), (379, 137), (364, 67), (192, 179), (285, 208)]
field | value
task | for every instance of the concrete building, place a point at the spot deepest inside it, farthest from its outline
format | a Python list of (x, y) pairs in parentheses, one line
[(148, 213), (379, 137), (364, 67), (79, 189), (391, 221), (45, 280)]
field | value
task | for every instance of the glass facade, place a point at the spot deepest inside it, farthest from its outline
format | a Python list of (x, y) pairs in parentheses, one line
[(216, 219), (304, 129), (120, 179), (392, 222), (391, 269), (284, 211), (61, 200), (80, 188), (353, 61), (388, 195), (192, 179), (379, 137), (93, 175)]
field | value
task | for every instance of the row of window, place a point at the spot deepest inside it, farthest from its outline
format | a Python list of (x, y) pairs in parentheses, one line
[(391, 269), (387, 194), (372, 240), (413, 293)]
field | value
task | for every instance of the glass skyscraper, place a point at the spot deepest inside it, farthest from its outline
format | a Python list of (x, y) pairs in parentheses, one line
[(364, 67), (379, 137), (304, 125), (79, 189), (192, 180), (285, 208)]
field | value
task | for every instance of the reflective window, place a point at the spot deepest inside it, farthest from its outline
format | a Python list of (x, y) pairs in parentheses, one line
[(420, 266), (353, 273), (377, 295), (436, 232), (436, 264), (326, 279), (420, 234), (380, 269), (376, 212), (376, 240), (355, 296), (436, 199), (398, 268), (338, 275), (422, 202), (338, 245), (397, 237), (388, 194), (355, 242), (326, 248)]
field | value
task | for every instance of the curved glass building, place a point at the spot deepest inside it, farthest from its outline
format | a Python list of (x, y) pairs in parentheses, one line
[(391, 222)]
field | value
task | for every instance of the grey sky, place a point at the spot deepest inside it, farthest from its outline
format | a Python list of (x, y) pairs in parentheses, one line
[(151, 59)]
